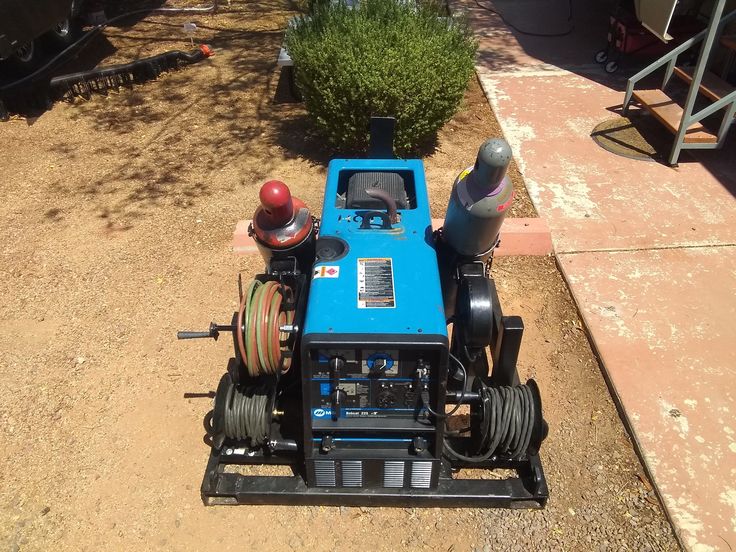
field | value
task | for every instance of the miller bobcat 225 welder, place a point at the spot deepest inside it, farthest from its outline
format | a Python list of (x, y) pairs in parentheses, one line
[(344, 368)]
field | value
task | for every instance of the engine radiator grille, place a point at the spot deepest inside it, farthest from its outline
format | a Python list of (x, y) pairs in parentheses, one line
[(421, 475), (324, 473), (374, 473), (393, 474), (352, 473)]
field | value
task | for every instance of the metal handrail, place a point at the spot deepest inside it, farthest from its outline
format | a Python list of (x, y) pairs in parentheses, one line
[(671, 57), (712, 108)]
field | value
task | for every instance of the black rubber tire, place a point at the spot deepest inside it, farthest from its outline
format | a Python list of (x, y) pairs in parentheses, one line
[(601, 56), (63, 34), (611, 67), (26, 58)]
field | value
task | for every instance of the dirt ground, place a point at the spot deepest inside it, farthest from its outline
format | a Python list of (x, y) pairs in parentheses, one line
[(117, 218)]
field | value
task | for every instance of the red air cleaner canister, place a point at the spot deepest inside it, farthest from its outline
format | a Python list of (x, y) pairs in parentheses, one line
[(283, 226)]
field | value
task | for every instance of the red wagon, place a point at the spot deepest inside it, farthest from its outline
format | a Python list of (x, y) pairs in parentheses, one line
[(626, 36)]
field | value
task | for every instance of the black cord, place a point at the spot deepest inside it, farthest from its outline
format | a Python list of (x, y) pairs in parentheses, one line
[(510, 416), (246, 415), (528, 33), (424, 393), (458, 431)]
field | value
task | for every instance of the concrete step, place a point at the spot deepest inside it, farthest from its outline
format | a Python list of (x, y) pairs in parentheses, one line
[(711, 84), (669, 113), (519, 236)]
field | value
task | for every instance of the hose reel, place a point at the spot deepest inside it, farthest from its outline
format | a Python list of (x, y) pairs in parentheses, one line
[(243, 412), (265, 339), (506, 422), (265, 308)]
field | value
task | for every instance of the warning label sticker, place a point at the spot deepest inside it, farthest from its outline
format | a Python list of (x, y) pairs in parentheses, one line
[(376, 283), (326, 272)]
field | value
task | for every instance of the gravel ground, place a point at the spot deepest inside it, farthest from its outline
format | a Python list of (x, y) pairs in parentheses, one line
[(117, 219)]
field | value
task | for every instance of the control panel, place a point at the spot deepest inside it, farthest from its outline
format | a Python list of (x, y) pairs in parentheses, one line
[(367, 384)]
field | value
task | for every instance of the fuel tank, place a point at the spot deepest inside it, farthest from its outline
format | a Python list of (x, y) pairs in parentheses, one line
[(480, 198)]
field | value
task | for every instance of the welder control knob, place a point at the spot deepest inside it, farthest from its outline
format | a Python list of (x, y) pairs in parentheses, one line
[(337, 397), (276, 201), (337, 364), (379, 365)]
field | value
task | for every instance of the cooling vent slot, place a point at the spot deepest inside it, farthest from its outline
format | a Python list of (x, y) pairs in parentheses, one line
[(421, 475), (324, 473), (393, 474), (352, 473)]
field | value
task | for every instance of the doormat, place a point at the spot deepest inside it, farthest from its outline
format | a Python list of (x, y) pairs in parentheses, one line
[(637, 137)]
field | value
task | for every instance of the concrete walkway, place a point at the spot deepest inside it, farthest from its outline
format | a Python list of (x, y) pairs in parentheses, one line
[(649, 253)]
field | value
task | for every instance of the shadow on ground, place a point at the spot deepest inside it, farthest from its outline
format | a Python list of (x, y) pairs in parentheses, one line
[(160, 153), (574, 50)]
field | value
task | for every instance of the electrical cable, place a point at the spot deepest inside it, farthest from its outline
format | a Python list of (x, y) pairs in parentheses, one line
[(258, 331), (458, 431), (508, 416), (246, 414), (424, 393), (529, 33)]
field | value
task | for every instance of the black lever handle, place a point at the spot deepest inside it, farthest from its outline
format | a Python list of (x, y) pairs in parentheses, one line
[(212, 333), (194, 335), (337, 395)]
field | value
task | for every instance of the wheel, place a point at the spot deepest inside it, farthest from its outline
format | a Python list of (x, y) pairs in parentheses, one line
[(63, 34), (25, 58), (601, 56), (25, 52), (62, 31), (611, 67)]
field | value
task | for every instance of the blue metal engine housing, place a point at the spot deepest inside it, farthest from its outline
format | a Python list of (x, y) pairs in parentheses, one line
[(376, 310), (333, 305)]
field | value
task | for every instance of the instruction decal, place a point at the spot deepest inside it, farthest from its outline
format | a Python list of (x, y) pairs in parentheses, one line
[(326, 272), (376, 283)]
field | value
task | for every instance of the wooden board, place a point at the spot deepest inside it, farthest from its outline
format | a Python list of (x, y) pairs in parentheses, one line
[(711, 85), (669, 114)]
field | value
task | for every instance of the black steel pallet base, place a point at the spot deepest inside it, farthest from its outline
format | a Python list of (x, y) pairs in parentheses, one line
[(528, 490)]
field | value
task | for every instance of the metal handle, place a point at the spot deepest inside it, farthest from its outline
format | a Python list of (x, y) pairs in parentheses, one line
[(389, 201), (193, 335), (336, 365), (212, 333), (367, 216)]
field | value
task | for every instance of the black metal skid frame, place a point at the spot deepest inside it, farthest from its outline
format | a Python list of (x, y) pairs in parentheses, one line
[(527, 490)]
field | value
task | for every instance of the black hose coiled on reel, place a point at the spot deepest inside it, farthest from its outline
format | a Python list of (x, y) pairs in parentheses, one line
[(508, 417), (246, 414), (242, 413)]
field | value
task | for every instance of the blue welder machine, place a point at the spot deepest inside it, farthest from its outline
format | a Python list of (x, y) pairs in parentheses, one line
[(344, 368)]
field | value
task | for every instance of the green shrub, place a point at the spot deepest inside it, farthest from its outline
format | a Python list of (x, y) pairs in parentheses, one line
[(384, 58)]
